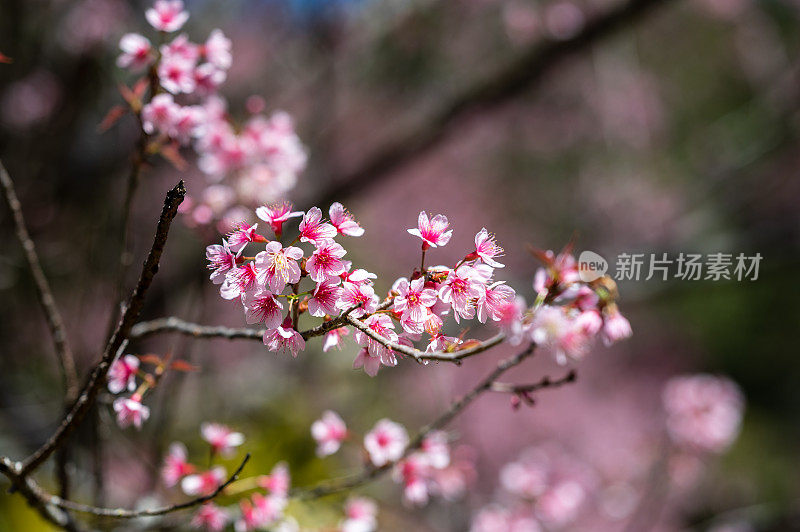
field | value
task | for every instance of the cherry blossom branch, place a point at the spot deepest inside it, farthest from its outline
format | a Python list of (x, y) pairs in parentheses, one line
[(524, 71), (331, 487), (118, 338), (45, 501), (447, 356), (45, 295), (545, 382)]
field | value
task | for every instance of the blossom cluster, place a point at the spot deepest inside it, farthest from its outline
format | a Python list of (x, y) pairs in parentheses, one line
[(244, 164), (430, 469), (567, 315)]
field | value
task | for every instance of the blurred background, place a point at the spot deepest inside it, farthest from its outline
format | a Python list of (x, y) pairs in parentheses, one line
[(675, 130)]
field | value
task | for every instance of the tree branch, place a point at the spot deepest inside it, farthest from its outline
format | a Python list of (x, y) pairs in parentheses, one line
[(545, 382), (331, 487), (45, 295), (129, 316), (524, 71)]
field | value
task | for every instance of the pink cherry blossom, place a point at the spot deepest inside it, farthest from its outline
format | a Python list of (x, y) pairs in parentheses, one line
[(704, 412), (325, 263), (135, 52), (242, 280), (122, 374), (441, 342), (386, 442), (383, 326), (211, 517), (313, 229), (413, 299), (329, 432), (204, 483), (487, 249), (175, 465), (358, 294), (435, 450), (187, 124), (176, 75), (324, 299), (556, 329), (181, 48), (460, 289), (222, 439), (242, 235), (259, 512), (343, 221), (284, 339), (414, 473), (616, 327), (221, 260), (159, 114), (218, 50), (371, 363), (278, 480), (280, 265), (360, 515), (262, 306), (207, 80), (433, 232), (493, 300), (167, 15), (334, 339), (131, 411), (358, 276)]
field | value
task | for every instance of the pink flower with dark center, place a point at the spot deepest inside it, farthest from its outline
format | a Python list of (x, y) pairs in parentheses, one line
[(334, 339), (131, 411), (275, 215), (360, 515), (435, 449), (343, 221), (260, 513), (460, 289), (509, 319), (208, 78), (176, 75), (358, 294), (358, 276), (413, 299), (175, 465), (556, 329), (284, 339), (218, 50), (181, 48), (211, 517), (262, 306), (325, 263), (278, 480), (383, 326), (221, 260), (205, 483), (135, 52), (324, 299), (187, 123), (160, 114), (280, 265), (413, 472), (433, 232), (242, 235), (167, 15), (487, 249), (122, 374), (704, 412), (493, 300), (241, 280), (329, 432), (386, 442), (221, 438), (313, 229)]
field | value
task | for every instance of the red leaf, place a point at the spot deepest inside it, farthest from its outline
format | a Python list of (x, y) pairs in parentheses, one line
[(182, 365), (170, 152), (5, 59), (151, 359), (111, 118)]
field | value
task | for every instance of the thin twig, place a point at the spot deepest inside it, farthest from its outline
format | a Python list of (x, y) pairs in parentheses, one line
[(545, 382), (370, 473), (45, 295), (129, 316)]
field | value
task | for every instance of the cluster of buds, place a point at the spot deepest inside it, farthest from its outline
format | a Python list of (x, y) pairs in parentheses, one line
[(424, 471), (127, 375), (244, 164)]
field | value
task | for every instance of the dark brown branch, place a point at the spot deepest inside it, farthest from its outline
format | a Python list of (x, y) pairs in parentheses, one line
[(129, 316), (46, 502), (545, 382), (45, 295), (523, 72), (371, 473)]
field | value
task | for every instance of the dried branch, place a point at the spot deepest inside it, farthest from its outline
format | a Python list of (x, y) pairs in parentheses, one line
[(116, 342), (370, 473), (524, 71), (45, 295), (545, 382), (45, 501)]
